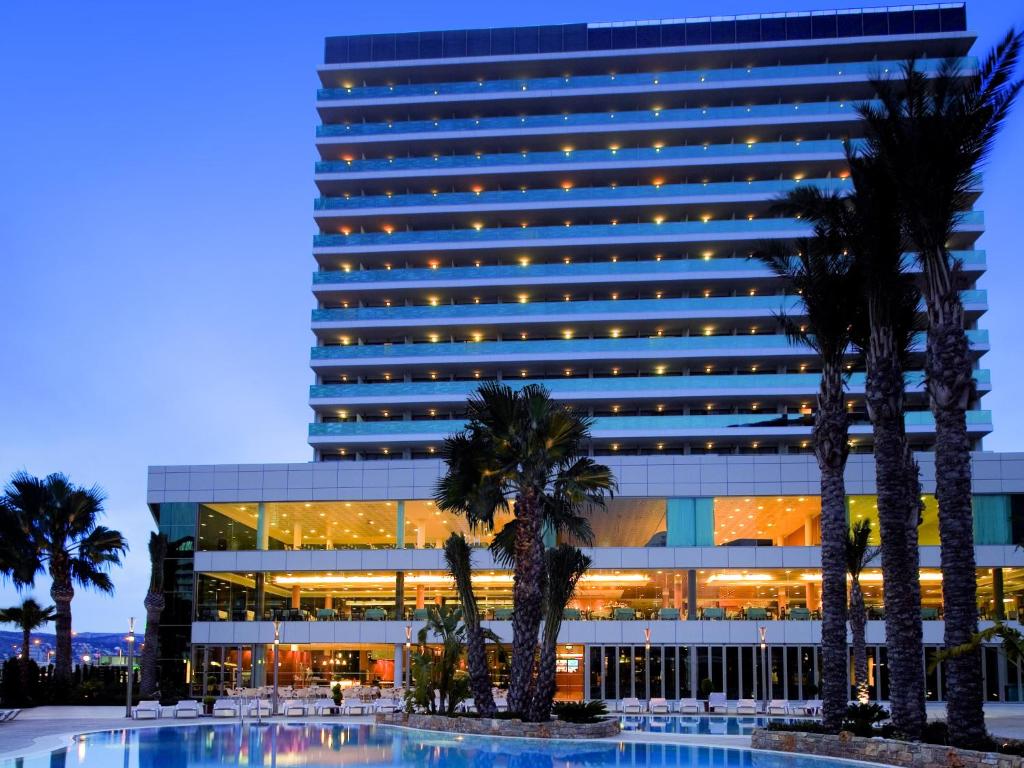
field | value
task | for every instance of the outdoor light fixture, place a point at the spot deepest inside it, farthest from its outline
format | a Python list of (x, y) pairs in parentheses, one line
[(130, 673)]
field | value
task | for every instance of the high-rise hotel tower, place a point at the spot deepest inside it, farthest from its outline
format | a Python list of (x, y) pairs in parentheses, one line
[(577, 205)]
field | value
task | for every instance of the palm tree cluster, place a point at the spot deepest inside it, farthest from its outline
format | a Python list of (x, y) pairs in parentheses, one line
[(50, 525), (29, 616), (524, 453), (913, 177)]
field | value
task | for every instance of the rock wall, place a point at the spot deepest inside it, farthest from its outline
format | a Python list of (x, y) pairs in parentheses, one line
[(485, 726), (905, 754)]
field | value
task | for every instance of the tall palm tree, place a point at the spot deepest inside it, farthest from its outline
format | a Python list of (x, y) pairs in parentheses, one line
[(934, 134), (30, 616), (56, 523), (859, 553), (822, 274), (154, 603), (565, 565), (459, 559), (522, 451), (867, 225), (434, 670)]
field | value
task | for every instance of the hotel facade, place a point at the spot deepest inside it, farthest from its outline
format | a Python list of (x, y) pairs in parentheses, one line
[(577, 206)]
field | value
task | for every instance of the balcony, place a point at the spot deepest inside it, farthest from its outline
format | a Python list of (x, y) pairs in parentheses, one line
[(611, 84), (578, 350), (650, 271), (638, 388), (725, 426)]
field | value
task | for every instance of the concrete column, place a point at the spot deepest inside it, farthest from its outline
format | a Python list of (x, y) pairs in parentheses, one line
[(666, 593), (421, 595), (399, 595), (329, 536), (262, 527), (811, 593), (691, 594), (329, 600), (296, 596), (261, 595), (399, 664), (677, 591), (809, 531), (421, 537), (998, 593), (297, 536), (400, 525)]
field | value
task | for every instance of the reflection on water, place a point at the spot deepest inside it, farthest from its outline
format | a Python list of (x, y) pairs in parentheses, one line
[(281, 745), (702, 725)]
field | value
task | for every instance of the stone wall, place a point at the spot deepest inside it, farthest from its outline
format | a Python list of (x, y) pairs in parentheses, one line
[(887, 751), (486, 726)]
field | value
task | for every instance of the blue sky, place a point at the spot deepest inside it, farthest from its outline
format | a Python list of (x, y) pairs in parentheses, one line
[(156, 185)]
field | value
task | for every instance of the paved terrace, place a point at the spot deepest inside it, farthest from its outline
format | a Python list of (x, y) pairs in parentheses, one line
[(47, 728)]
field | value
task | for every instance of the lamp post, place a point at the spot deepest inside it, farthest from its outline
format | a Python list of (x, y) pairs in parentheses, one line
[(277, 647), (762, 632), (131, 649), (408, 653)]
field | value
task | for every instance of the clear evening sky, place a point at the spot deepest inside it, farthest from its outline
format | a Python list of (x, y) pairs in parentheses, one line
[(156, 186)]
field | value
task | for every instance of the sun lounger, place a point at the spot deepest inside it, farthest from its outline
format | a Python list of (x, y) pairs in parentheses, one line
[(187, 708), (294, 708), (7, 715), (717, 702), (258, 708), (325, 707), (225, 708), (146, 710), (746, 707), (631, 705), (690, 706), (658, 706), (778, 707)]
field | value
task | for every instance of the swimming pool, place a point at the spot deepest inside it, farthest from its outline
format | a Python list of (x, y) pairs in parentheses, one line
[(709, 725), (283, 745)]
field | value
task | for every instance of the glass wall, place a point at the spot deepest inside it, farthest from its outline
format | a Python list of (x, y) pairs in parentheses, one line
[(178, 522)]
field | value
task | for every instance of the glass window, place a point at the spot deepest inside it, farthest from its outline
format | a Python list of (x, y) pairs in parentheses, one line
[(596, 673)]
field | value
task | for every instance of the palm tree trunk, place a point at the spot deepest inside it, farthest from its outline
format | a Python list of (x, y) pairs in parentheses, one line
[(27, 687), (540, 710), (527, 598), (858, 619), (950, 390), (899, 508), (62, 594), (830, 444), (479, 674), (149, 684)]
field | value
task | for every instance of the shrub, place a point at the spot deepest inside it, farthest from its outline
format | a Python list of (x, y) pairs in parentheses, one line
[(580, 712), (861, 719)]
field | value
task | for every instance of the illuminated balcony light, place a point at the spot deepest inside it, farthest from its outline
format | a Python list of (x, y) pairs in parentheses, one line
[(615, 332), (615, 371), (567, 334), (659, 219), (615, 446), (566, 185), (522, 336), (705, 218), (477, 337), (345, 341), (476, 374), (615, 409), (522, 374), (708, 331), (434, 265), (658, 257), (477, 226), (433, 301), (346, 268), (388, 228), (566, 260), (346, 231), (387, 377), (433, 338), (658, 294), (614, 148), (660, 370), (523, 298), (661, 446), (476, 299), (658, 183), (615, 297), (524, 261)]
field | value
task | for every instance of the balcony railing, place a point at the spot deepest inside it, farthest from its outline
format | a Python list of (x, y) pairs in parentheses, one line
[(838, 72), (789, 150), (668, 347), (667, 229), (618, 120), (665, 269), (624, 426), (743, 190), (719, 306)]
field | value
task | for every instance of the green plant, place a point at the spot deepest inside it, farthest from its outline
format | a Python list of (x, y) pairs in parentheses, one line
[(580, 711), (706, 687), (336, 694), (861, 719)]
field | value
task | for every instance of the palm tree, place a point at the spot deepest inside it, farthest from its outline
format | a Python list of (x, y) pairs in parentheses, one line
[(565, 565), (56, 523), (154, 607), (459, 559), (823, 276), (434, 670), (30, 616), (522, 450), (858, 554), (933, 135), (867, 225)]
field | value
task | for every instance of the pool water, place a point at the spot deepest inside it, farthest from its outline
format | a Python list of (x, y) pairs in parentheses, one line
[(693, 725), (283, 745)]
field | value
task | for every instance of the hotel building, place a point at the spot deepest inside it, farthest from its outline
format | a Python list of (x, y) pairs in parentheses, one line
[(577, 206)]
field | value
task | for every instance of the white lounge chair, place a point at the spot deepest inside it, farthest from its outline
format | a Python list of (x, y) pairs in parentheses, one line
[(717, 702), (388, 704), (690, 707), (146, 710), (658, 706), (325, 707), (778, 707), (294, 708), (355, 706), (258, 708), (814, 707), (501, 703), (631, 705), (225, 708), (187, 708), (6, 715), (746, 707)]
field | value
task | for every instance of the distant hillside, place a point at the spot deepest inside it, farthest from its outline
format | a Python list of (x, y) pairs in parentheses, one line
[(92, 643)]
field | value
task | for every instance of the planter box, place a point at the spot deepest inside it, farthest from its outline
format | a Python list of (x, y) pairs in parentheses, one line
[(906, 754), (485, 726)]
